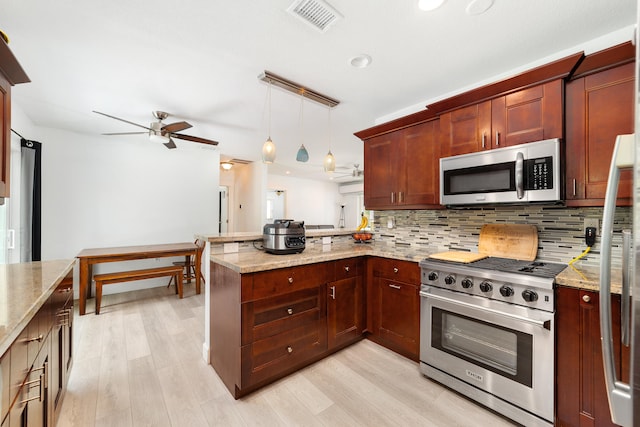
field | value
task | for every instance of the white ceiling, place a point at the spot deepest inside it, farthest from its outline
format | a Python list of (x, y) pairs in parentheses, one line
[(199, 60)]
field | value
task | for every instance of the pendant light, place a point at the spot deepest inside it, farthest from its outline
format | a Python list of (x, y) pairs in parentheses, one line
[(329, 161), (303, 154), (269, 148)]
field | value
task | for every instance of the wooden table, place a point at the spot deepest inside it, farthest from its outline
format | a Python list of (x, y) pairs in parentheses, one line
[(89, 257)]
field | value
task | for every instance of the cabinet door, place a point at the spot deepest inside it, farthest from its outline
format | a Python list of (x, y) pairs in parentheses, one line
[(5, 362), (598, 108), (528, 115), (466, 130), (581, 392), (382, 168), (421, 172), (396, 315), (345, 311)]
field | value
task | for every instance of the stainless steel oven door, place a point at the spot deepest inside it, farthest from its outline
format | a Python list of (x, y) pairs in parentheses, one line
[(504, 349)]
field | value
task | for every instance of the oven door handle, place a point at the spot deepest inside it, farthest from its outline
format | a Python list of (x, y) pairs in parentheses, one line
[(546, 324)]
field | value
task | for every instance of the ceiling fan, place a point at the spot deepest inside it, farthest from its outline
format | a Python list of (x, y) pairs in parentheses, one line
[(350, 174), (160, 132)]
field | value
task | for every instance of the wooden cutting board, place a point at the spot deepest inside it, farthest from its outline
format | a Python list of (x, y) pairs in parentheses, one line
[(458, 256), (516, 241)]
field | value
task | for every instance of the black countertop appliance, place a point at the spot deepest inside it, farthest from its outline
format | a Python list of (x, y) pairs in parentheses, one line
[(284, 236)]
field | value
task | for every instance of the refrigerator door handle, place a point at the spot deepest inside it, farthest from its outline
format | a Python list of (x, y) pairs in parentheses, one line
[(618, 393), (625, 313)]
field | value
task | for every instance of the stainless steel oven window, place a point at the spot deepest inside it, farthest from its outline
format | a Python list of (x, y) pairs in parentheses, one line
[(505, 351)]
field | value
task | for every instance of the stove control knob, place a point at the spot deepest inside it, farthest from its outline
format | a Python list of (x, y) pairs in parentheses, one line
[(450, 280), (506, 291), (486, 286), (529, 296), (432, 276), (467, 283)]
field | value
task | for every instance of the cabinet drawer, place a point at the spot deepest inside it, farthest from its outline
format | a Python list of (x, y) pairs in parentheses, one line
[(271, 356), (403, 271), (272, 316), (347, 268), (284, 280)]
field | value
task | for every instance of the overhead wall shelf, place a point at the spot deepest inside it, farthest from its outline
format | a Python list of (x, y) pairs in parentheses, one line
[(283, 83)]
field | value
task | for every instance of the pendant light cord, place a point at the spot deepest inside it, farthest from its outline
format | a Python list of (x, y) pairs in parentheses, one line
[(269, 96)]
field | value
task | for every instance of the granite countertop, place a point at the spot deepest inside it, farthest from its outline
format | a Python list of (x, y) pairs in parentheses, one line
[(24, 288), (588, 278), (253, 261), (257, 235)]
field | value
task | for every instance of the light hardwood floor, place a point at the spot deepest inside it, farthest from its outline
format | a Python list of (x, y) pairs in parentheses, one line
[(139, 364)]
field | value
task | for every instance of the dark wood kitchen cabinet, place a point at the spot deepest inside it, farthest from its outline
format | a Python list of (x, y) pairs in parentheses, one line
[(394, 308), (267, 324), (580, 388), (11, 73), (345, 303), (402, 168), (526, 115), (599, 106)]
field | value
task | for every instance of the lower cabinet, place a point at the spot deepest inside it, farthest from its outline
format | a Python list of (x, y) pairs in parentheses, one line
[(267, 324), (36, 368), (346, 304), (580, 387), (394, 307)]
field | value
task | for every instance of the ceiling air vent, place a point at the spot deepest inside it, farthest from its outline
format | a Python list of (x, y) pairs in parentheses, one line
[(317, 13)]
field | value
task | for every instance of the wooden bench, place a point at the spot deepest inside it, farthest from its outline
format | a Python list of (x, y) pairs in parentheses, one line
[(128, 276)]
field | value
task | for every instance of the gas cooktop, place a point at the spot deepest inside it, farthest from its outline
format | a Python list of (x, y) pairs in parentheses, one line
[(532, 268)]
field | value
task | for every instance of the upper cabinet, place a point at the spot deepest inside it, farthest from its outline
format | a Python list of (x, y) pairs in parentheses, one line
[(11, 73), (599, 106), (402, 168), (527, 115)]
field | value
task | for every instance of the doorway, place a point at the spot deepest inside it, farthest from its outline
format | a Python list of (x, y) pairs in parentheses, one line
[(275, 204), (223, 209)]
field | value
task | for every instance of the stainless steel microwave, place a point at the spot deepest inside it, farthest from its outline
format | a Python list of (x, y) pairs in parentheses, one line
[(518, 174)]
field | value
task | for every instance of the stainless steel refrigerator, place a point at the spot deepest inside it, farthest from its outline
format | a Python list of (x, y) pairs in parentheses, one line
[(624, 399)]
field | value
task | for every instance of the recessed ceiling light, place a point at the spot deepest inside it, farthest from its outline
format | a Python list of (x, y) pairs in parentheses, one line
[(428, 5), (478, 7), (361, 61)]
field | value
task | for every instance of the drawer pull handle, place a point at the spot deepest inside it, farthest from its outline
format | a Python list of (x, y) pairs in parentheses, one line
[(394, 286), (586, 298), (289, 311), (346, 269), (290, 279), (333, 292), (38, 338), (395, 269), (289, 349)]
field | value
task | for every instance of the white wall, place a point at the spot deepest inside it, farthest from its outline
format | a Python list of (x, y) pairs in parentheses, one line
[(311, 201), (249, 197), (101, 191)]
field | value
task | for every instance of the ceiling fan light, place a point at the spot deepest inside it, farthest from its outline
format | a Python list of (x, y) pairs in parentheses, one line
[(329, 162), (268, 151), (158, 137), (303, 154)]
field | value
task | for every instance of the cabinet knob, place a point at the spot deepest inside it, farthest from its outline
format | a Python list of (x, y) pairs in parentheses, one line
[(395, 269), (289, 349), (346, 269), (586, 298), (290, 279), (289, 311)]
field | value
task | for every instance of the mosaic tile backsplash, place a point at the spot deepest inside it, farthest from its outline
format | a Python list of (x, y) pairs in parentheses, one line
[(560, 229)]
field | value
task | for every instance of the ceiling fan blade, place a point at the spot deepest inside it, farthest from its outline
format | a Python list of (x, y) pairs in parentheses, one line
[(170, 144), (122, 120), (175, 127), (194, 139), (126, 133)]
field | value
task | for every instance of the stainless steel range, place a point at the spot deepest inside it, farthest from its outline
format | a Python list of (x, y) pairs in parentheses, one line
[(487, 331)]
